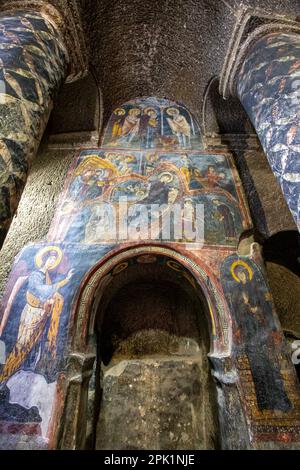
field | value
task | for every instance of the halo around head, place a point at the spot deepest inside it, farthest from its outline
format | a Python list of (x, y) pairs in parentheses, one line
[(172, 111), (147, 110), (244, 265), (136, 111), (119, 111), (39, 257), (166, 173)]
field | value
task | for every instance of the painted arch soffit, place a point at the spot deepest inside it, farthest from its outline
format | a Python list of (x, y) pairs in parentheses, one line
[(197, 274)]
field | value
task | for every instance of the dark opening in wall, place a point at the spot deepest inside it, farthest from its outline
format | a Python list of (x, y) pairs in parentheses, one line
[(282, 255), (284, 248), (153, 374)]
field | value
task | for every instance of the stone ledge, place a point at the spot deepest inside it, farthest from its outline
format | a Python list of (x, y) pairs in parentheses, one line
[(74, 140), (231, 142)]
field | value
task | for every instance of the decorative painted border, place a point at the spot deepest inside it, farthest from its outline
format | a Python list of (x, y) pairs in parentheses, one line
[(220, 323)]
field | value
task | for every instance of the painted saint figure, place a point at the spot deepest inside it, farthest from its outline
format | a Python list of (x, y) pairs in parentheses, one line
[(213, 177), (117, 123), (254, 318), (43, 303), (223, 214), (179, 127), (131, 125), (159, 189), (148, 127)]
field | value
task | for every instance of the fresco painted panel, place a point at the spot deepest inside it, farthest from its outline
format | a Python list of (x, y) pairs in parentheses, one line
[(147, 123), (184, 180), (34, 331), (258, 335)]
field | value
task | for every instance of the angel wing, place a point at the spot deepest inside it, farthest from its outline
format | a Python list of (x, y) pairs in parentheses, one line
[(10, 301)]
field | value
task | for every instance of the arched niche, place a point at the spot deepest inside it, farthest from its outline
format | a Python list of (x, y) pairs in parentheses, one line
[(96, 281), (152, 370), (77, 109), (99, 290)]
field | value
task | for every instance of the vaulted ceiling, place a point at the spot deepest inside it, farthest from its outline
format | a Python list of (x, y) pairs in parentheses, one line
[(167, 48)]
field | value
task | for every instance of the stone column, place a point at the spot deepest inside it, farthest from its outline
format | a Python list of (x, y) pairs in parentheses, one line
[(42, 44), (33, 65), (262, 66), (268, 85)]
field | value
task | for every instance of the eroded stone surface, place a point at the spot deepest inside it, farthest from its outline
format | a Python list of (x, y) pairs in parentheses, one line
[(165, 406)]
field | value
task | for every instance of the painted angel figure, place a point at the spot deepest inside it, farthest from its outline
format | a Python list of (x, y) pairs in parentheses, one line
[(179, 127), (43, 303)]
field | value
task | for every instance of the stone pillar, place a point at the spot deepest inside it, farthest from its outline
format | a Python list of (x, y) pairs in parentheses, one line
[(268, 85), (33, 65), (42, 44)]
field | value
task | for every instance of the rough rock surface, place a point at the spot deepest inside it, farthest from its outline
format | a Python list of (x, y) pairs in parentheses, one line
[(37, 204), (287, 301), (164, 48), (165, 406)]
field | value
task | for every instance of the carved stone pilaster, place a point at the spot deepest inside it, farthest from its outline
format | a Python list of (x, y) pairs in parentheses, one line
[(64, 15), (74, 420)]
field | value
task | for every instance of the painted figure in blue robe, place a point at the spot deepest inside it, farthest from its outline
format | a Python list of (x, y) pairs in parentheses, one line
[(254, 317), (223, 214), (84, 186), (43, 306), (159, 189), (149, 128)]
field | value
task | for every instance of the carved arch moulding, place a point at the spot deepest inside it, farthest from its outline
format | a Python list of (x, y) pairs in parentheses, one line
[(251, 25)]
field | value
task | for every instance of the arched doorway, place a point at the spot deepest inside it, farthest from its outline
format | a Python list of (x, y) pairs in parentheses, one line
[(152, 383)]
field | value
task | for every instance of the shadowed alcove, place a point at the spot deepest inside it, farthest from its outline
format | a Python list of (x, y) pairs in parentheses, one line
[(153, 374), (282, 256)]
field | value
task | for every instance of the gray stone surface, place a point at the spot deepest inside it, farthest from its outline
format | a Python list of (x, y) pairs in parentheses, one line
[(36, 208), (166, 406), (269, 210), (163, 48), (287, 301), (77, 108)]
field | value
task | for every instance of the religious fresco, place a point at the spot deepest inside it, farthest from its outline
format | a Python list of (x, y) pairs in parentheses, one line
[(54, 283), (34, 326), (258, 334), (33, 62), (268, 87), (144, 179), (147, 123)]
